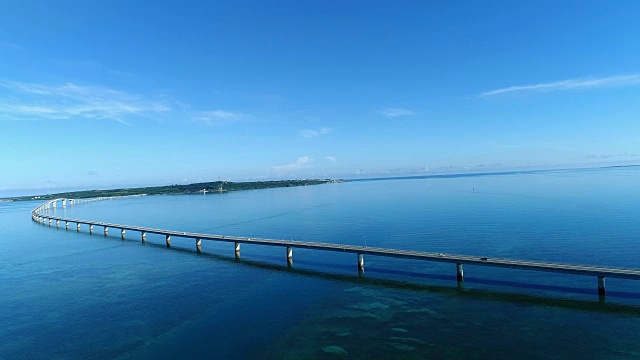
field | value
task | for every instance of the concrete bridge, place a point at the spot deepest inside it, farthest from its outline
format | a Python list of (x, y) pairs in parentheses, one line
[(40, 215)]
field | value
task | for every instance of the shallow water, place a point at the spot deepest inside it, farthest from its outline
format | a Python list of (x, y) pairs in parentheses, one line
[(73, 295)]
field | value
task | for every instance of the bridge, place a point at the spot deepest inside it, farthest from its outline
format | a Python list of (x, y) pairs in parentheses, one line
[(40, 214)]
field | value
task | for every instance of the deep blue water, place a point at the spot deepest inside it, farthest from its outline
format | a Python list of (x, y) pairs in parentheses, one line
[(73, 295)]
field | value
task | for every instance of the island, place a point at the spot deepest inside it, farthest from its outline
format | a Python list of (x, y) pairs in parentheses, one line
[(197, 188)]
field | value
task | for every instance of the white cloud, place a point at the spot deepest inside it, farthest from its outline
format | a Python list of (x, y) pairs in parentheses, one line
[(27, 101), (216, 117), (331, 158), (311, 133), (395, 112), (31, 101), (571, 84), (302, 162)]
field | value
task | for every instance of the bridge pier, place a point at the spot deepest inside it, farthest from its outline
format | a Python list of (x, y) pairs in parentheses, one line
[(54, 204), (64, 203), (144, 237), (601, 287), (66, 225), (40, 213), (459, 272), (289, 255)]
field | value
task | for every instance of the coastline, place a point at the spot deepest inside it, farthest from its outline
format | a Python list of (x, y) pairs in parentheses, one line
[(196, 188)]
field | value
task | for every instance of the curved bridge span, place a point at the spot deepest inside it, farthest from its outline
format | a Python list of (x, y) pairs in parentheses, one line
[(40, 215)]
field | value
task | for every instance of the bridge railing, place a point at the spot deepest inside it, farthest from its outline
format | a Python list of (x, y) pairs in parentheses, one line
[(40, 214)]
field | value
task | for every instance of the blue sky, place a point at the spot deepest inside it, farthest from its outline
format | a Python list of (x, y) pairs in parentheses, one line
[(123, 93)]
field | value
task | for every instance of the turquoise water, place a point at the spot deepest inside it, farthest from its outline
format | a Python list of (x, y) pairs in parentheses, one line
[(73, 295)]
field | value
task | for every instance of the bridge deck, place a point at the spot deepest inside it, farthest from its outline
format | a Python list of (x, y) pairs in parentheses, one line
[(377, 251)]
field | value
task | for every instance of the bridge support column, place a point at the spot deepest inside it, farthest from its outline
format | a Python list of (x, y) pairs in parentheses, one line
[(601, 287), (198, 245), (90, 229), (57, 223), (66, 225), (77, 226), (64, 203), (167, 241), (144, 236), (459, 272), (289, 255), (53, 204), (237, 247), (122, 232), (106, 231), (360, 262), (49, 222)]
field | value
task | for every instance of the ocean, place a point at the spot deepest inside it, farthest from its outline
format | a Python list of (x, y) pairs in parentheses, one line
[(71, 295)]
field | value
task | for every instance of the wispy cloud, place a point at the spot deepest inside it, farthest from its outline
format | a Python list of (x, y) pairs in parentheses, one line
[(12, 46), (123, 74), (80, 64), (217, 117), (571, 84), (331, 158), (391, 113), (28, 101), (311, 133), (302, 162)]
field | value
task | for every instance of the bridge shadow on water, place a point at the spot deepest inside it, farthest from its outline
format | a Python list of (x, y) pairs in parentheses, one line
[(599, 305)]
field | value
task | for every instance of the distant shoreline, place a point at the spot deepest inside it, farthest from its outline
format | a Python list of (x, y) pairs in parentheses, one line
[(214, 187), (488, 173), (197, 188)]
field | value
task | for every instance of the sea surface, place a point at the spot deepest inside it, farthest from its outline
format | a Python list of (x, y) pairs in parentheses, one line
[(71, 295)]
